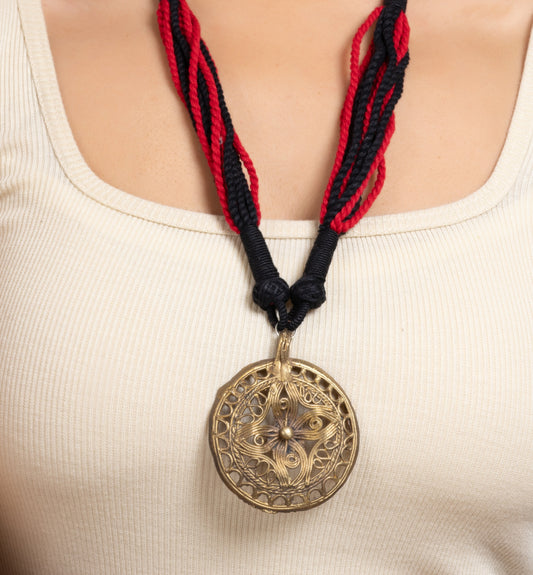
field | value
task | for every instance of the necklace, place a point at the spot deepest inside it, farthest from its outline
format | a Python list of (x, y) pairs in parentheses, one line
[(283, 433)]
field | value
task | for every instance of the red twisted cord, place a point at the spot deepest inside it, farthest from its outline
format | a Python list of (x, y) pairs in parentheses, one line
[(356, 72), (401, 40), (212, 147)]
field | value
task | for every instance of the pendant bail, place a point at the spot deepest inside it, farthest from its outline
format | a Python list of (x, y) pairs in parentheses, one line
[(281, 362)]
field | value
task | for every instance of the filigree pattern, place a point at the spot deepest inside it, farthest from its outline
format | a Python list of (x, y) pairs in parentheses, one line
[(283, 438)]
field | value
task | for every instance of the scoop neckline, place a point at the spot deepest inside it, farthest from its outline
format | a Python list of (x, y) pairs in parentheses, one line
[(87, 182)]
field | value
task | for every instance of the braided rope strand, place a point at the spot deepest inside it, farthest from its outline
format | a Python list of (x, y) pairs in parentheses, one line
[(366, 127)]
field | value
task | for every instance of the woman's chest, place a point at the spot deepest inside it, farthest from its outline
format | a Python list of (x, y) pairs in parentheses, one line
[(285, 87)]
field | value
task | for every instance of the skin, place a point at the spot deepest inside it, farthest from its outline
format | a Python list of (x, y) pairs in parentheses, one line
[(284, 69)]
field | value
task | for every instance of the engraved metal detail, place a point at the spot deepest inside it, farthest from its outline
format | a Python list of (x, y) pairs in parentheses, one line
[(283, 434)]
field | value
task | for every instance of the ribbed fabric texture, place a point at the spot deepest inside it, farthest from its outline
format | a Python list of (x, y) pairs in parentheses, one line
[(120, 318)]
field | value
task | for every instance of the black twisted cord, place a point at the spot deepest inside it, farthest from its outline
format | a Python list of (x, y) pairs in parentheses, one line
[(361, 151), (271, 292), (240, 202)]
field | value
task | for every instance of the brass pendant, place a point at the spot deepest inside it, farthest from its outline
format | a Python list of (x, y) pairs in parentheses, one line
[(283, 433)]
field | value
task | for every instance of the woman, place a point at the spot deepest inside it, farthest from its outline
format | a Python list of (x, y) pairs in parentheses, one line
[(126, 298)]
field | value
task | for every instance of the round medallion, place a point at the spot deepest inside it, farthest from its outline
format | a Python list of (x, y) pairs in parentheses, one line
[(283, 434)]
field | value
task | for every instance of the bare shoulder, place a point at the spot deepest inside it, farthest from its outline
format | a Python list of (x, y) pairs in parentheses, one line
[(83, 14)]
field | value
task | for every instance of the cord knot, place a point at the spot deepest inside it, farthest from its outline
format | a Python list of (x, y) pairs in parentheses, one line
[(272, 295), (310, 290), (273, 291)]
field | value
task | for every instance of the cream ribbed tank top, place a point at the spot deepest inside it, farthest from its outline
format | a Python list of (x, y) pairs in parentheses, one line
[(120, 318)]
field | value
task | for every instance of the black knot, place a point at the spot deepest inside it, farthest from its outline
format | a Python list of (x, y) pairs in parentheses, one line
[(309, 289), (271, 292)]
